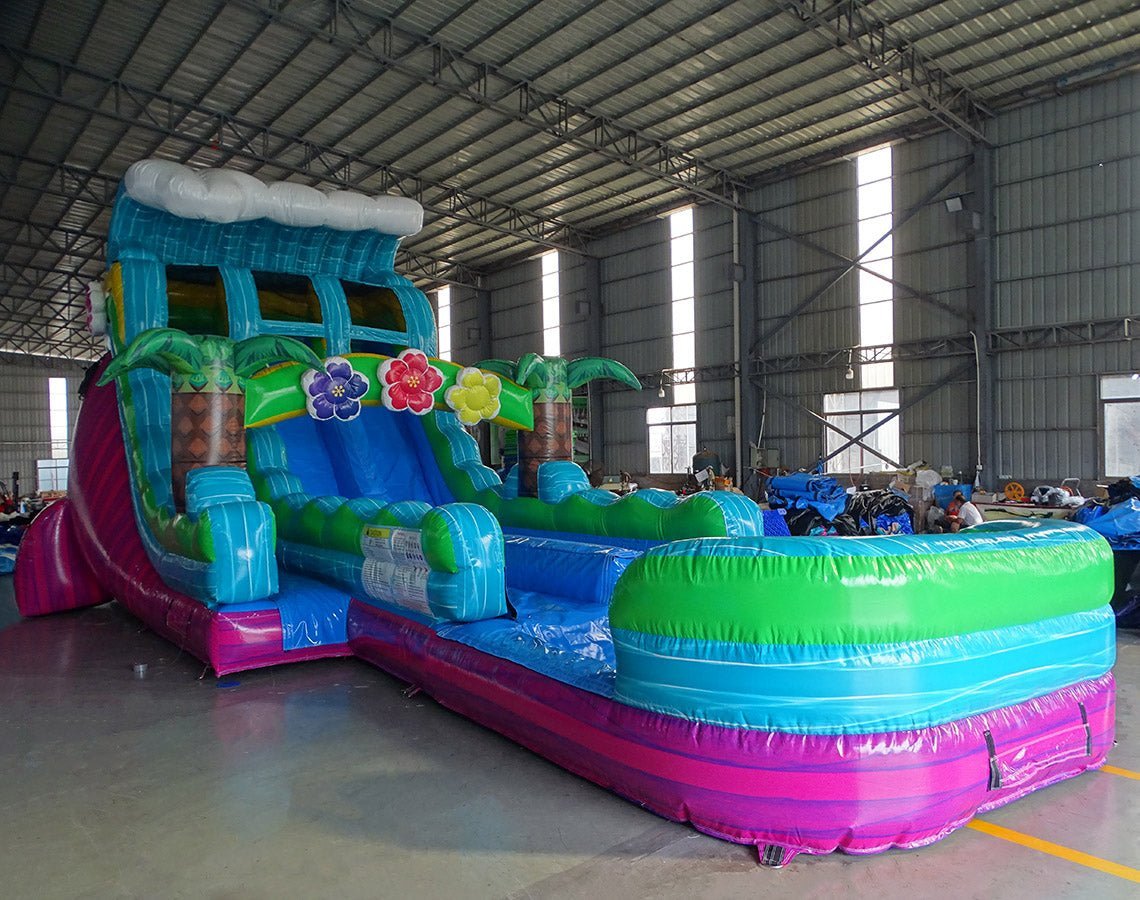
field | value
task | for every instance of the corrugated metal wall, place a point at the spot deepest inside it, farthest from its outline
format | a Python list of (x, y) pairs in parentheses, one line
[(821, 206), (932, 253), (1067, 250), (25, 434), (636, 330)]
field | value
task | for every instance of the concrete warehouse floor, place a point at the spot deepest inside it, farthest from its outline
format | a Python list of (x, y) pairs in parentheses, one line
[(324, 780)]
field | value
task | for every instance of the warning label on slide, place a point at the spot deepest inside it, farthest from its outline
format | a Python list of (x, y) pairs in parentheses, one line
[(392, 582), (397, 544)]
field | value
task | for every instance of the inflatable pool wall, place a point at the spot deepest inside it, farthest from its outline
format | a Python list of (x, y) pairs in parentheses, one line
[(797, 694)]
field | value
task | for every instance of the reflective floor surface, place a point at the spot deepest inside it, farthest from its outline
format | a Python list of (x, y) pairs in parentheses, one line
[(324, 780)]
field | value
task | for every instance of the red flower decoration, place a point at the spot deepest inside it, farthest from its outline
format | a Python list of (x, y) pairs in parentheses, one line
[(409, 382)]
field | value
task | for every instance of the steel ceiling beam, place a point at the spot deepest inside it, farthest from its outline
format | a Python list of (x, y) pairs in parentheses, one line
[(953, 49), (74, 350), (203, 126), (16, 357), (683, 20), (435, 63), (50, 332), (66, 242), (814, 64), (821, 157), (1002, 340), (855, 30), (172, 66)]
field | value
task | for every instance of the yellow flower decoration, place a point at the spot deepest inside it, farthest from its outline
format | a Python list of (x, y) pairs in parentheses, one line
[(475, 395)]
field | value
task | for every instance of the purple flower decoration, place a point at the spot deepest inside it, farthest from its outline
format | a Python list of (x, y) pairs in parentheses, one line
[(334, 392)]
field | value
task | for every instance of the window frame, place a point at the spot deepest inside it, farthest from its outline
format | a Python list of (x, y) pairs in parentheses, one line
[(864, 413), (874, 179), (675, 416), (60, 470), (683, 295), (1103, 403)]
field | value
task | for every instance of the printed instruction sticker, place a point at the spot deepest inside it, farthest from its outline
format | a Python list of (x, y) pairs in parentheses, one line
[(403, 585), (394, 544)]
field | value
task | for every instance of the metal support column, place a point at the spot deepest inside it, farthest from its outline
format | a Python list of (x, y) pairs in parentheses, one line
[(981, 300), (481, 297), (592, 282), (745, 278)]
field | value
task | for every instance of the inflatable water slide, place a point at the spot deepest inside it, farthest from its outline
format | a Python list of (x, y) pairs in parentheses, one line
[(275, 466)]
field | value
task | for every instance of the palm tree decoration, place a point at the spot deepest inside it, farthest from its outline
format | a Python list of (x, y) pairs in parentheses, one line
[(552, 381), (207, 391)]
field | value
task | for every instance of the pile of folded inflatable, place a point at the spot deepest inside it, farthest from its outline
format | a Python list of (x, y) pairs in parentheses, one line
[(1117, 518), (818, 505)]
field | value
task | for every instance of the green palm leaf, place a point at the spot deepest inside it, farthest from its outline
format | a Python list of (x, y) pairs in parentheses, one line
[(166, 350), (532, 371), (595, 368), (503, 367), (257, 353)]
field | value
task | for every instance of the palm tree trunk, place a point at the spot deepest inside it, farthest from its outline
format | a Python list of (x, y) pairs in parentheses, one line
[(206, 429), (552, 439)]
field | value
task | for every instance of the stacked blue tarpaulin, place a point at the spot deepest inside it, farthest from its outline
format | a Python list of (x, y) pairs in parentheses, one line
[(1119, 523), (803, 490), (1118, 519)]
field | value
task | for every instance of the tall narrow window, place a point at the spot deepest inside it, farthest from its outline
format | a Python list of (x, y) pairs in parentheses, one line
[(51, 474), (57, 416), (551, 338), (876, 296), (684, 301), (856, 411), (443, 319)]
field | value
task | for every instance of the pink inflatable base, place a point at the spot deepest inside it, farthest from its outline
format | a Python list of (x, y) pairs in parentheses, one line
[(787, 793)]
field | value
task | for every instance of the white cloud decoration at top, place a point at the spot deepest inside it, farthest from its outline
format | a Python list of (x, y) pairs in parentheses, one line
[(227, 195)]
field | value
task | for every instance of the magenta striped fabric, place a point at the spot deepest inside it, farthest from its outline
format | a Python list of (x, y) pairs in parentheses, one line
[(51, 574)]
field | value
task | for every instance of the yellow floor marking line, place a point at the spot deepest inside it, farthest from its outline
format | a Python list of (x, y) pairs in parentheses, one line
[(1083, 859), (1123, 773)]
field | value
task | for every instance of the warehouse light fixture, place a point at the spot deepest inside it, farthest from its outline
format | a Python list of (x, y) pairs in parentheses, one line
[(850, 373), (953, 204)]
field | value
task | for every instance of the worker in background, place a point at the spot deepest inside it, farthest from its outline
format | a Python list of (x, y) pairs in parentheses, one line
[(962, 513)]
